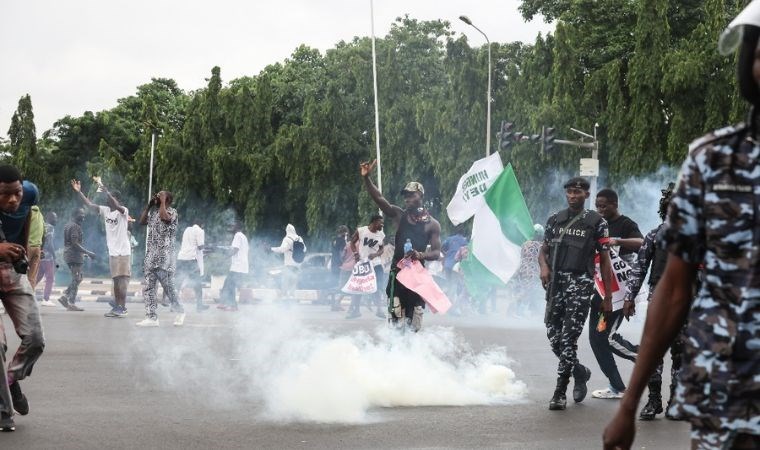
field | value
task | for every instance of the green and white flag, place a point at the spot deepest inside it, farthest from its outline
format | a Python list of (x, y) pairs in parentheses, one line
[(473, 185), (500, 228)]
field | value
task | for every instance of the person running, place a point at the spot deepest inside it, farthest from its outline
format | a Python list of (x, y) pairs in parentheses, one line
[(190, 262), (238, 252), (159, 263), (712, 219), (73, 255), (47, 259), (16, 200), (367, 244), (572, 237), (416, 227), (115, 218), (624, 233)]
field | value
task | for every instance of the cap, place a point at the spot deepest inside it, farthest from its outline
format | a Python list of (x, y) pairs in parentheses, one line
[(732, 36), (578, 183), (413, 186)]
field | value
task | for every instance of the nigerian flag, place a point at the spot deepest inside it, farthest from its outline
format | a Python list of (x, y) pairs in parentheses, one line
[(500, 227)]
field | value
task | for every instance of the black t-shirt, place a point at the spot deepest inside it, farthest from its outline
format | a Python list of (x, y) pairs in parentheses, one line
[(624, 228)]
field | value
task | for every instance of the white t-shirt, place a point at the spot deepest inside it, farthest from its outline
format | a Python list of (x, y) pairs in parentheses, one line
[(239, 261), (117, 236), (369, 243), (192, 238)]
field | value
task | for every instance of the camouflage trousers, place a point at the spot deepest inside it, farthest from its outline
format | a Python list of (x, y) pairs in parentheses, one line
[(676, 356), (711, 439), (567, 311)]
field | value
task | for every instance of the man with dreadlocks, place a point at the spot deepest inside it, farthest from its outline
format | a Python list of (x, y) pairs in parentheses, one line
[(652, 259)]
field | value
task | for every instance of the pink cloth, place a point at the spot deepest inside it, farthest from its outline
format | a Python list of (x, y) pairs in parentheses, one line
[(416, 278)]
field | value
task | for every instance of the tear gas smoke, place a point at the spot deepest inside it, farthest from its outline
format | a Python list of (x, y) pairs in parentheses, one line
[(305, 374)]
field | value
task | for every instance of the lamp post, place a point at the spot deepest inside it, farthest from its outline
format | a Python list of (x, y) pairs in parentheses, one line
[(467, 20), (377, 117)]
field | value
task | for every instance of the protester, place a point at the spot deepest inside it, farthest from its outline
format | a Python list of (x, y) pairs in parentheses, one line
[(654, 257), (450, 247), (525, 284), (337, 248), (47, 259), (190, 267), (16, 200), (293, 249), (367, 244), (238, 268), (416, 226), (159, 264), (34, 248), (712, 218), (115, 218), (571, 239), (73, 255), (624, 232)]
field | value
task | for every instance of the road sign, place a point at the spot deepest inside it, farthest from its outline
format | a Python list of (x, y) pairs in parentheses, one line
[(589, 167)]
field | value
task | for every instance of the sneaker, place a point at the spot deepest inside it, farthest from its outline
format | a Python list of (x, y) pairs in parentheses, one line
[(6, 422), (111, 313), (179, 320), (73, 307), (607, 393), (20, 403), (112, 304), (64, 301), (148, 322), (120, 312), (47, 303)]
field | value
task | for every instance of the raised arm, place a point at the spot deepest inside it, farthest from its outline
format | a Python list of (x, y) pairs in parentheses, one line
[(77, 186), (119, 207), (391, 211), (163, 213)]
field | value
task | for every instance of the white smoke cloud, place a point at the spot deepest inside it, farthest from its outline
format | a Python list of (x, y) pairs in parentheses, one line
[(303, 374)]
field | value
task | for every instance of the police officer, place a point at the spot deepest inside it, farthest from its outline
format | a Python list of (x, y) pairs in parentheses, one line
[(571, 239), (712, 218), (652, 259)]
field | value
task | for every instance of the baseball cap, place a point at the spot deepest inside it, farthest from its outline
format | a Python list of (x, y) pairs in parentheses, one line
[(413, 186)]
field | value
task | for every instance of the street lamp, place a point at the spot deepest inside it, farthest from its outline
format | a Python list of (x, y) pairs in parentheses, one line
[(467, 20)]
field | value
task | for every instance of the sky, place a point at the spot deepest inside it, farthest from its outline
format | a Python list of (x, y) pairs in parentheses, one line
[(82, 55)]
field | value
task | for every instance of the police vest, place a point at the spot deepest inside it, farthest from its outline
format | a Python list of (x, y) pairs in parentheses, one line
[(575, 252)]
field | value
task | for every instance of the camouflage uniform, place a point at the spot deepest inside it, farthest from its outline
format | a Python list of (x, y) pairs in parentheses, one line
[(713, 217), (567, 309), (646, 260)]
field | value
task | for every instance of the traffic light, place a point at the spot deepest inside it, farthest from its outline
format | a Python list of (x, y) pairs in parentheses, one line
[(535, 138), (547, 139), (506, 135)]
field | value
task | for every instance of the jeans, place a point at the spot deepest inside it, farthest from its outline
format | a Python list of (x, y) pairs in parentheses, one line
[(47, 270), (18, 299), (228, 293), (76, 277)]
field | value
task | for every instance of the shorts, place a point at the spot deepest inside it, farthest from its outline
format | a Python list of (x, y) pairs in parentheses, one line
[(121, 266)]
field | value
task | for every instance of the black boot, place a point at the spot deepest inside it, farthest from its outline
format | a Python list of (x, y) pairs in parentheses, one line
[(670, 402), (559, 401), (654, 405), (581, 374)]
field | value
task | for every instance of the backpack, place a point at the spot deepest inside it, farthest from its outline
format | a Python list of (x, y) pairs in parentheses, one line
[(299, 251)]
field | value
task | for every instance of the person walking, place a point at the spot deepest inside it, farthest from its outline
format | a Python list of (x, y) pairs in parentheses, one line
[(572, 237), (48, 265), (190, 267), (293, 250), (238, 252), (74, 254)]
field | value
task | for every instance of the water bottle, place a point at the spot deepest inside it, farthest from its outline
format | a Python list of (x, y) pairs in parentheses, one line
[(407, 246)]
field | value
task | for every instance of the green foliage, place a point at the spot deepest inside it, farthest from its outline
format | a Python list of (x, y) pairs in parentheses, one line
[(282, 146)]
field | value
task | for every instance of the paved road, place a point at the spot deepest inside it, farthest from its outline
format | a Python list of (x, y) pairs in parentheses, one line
[(104, 383)]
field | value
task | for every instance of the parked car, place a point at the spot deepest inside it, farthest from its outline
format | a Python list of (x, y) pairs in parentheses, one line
[(314, 273)]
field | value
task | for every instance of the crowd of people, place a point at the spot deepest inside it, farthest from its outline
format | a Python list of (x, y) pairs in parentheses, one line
[(704, 303)]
